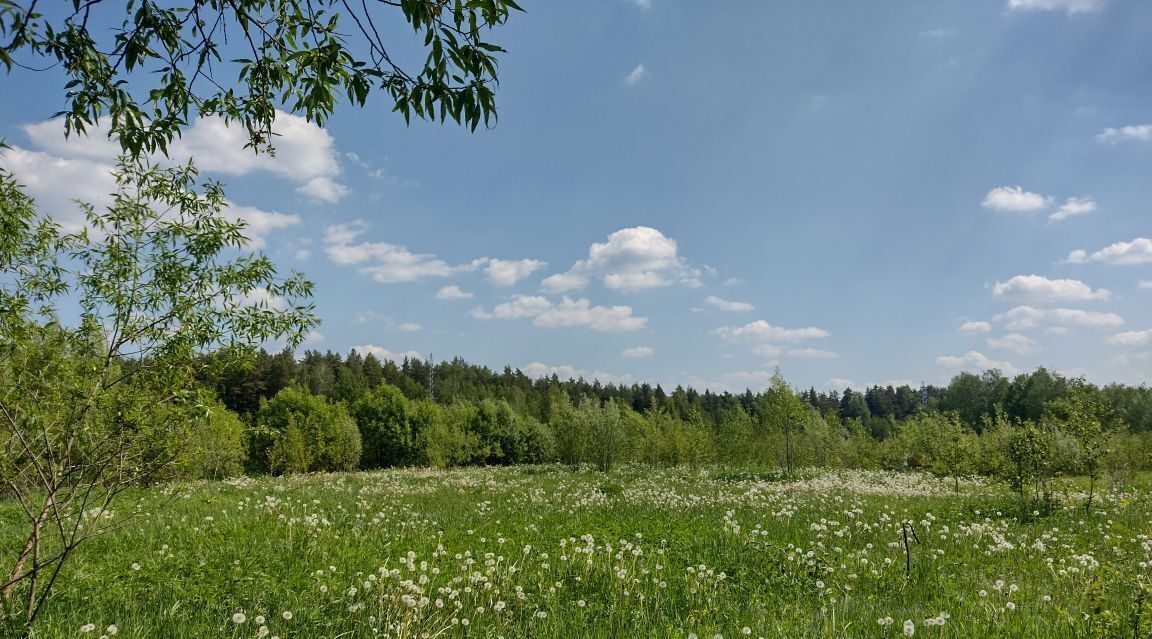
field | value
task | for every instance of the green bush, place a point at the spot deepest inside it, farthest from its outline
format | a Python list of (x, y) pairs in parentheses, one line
[(390, 430), (215, 448), (296, 432)]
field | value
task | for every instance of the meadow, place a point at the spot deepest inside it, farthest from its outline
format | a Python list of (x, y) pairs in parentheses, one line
[(542, 551)]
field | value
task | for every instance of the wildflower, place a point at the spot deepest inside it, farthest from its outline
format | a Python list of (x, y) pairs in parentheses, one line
[(909, 628), (88, 627), (135, 566), (287, 615), (239, 618), (259, 620), (112, 630)]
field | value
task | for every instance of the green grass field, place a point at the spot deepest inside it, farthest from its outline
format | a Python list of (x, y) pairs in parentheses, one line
[(545, 552)]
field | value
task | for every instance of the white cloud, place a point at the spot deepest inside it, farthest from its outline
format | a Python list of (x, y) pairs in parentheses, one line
[(303, 254), (567, 314), (579, 313), (725, 305), (1145, 284), (538, 370), (385, 263), (1014, 342), (637, 352), (1036, 288), (372, 317), (1138, 251), (261, 298), (632, 259), (1072, 207), (733, 281), (767, 350), (761, 331), (1137, 132), (313, 337), (258, 224), (840, 383), (1027, 317), (55, 183), (643, 4), (453, 292), (1014, 198), (749, 379), (635, 75), (1069, 6), (974, 328), (810, 353), (975, 361), (324, 189), (305, 153), (1132, 338), (520, 306), (508, 272), (382, 353), (938, 34)]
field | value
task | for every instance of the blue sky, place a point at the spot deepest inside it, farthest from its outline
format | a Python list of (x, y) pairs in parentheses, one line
[(698, 193)]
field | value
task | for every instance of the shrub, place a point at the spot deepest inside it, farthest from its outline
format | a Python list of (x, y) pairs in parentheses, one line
[(296, 432)]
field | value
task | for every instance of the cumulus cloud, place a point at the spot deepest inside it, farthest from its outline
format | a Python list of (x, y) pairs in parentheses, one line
[(767, 350), (568, 313), (372, 317), (838, 383), (726, 305), (632, 259), (1145, 284), (383, 262), (305, 153), (974, 328), (259, 224), (508, 272), (1071, 7), (637, 352), (1136, 132), (761, 331), (1138, 251), (453, 292), (1015, 199), (538, 370), (810, 353), (1028, 317), (519, 307), (1036, 288), (635, 75), (58, 183), (382, 353), (975, 361), (1072, 207), (261, 298), (1132, 338), (324, 189), (1020, 344)]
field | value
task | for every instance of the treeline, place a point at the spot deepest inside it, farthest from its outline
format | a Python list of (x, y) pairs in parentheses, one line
[(973, 398), (325, 413)]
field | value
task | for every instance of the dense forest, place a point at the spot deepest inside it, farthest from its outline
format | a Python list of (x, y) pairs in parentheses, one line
[(325, 411), (973, 398)]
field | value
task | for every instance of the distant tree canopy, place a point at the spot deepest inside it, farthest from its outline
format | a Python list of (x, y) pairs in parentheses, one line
[(150, 66), (974, 399)]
